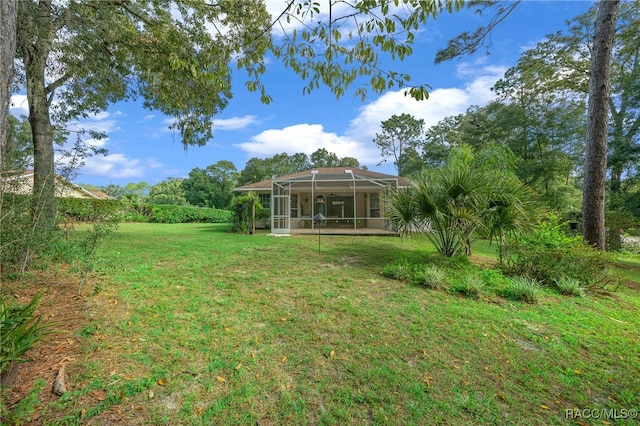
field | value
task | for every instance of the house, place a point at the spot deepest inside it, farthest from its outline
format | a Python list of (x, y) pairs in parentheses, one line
[(338, 199), (22, 183)]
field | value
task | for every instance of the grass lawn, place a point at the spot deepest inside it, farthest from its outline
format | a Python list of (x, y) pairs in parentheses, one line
[(189, 324)]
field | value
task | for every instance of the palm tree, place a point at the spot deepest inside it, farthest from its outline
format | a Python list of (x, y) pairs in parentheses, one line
[(461, 198)]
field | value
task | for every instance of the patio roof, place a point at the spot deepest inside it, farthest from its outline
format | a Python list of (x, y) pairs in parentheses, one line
[(327, 176)]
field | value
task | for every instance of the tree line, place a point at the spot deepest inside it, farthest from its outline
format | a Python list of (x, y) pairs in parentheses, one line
[(213, 185)]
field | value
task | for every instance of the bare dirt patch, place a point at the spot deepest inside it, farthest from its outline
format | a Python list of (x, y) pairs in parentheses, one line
[(66, 310)]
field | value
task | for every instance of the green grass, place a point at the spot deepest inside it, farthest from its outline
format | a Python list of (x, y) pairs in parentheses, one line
[(194, 325)]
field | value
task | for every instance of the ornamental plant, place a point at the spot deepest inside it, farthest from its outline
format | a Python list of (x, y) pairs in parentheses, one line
[(20, 329)]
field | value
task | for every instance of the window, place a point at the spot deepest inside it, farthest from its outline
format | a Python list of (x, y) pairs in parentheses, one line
[(265, 200), (374, 205), (294, 205)]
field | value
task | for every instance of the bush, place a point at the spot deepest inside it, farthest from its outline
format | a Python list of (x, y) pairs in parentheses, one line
[(432, 277), (523, 289), (548, 253), (248, 214), (167, 213), (88, 209), (21, 329), (473, 286), (569, 286), (630, 244)]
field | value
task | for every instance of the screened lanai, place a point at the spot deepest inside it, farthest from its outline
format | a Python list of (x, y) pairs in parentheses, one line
[(336, 200)]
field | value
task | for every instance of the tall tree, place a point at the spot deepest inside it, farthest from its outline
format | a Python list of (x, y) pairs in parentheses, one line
[(570, 52), (169, 191), (8, 24), (595, 168), (323, 158), (212, 186), (400, 134), (543, 125), (259, 169), (85, 55), (136, 192)]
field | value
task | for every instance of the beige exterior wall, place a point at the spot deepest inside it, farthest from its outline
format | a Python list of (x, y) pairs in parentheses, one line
[(24, 185)]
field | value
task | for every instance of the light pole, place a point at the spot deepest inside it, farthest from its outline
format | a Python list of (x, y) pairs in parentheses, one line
[(319, 217)]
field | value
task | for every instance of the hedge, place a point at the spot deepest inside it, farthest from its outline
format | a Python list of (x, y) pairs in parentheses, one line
[(88, 209), (94, 210), (182, 214)]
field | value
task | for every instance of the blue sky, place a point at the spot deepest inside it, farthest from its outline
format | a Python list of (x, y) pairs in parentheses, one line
[(142, 148)]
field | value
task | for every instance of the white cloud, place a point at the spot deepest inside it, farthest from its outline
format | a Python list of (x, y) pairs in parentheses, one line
[(118, 166), (234, 123), (147, 117), (101, 122), (441, 103), (305, 138), (357, 138), (19, 105)]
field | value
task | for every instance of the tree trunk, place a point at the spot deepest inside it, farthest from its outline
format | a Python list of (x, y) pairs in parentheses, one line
[(8, 24), (35, 52), (595, 168)]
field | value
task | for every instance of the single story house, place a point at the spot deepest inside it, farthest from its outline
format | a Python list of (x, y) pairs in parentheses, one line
[(339, 199), (21, 182)]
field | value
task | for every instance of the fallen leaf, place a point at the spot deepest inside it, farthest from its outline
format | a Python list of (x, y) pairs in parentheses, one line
[(238, 367), (284, 358), (544, 407), (221, 379), (162, 382), (576, 371), (151, 394), (332, 353)]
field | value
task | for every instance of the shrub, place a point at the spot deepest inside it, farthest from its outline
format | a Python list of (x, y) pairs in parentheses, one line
[(548, 253), (569, 286), (523, 289), (492, 277), (247, 212), (167, 213), (630, 244), (21, 329), (432, 277), (472, 286), (88, 209)]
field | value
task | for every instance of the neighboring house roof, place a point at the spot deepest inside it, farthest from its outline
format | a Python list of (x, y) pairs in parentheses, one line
[(326, 174), (21, 182), (100, 194)]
